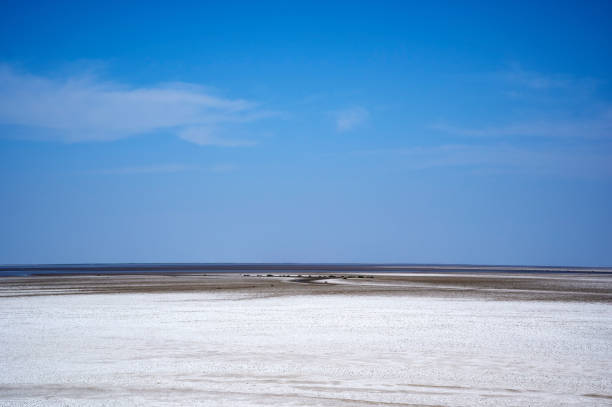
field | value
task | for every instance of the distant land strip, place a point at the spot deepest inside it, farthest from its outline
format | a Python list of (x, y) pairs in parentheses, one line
[(237, 267)]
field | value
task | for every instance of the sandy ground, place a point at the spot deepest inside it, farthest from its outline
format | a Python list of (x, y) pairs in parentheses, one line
[(319, 339), (586, 287)]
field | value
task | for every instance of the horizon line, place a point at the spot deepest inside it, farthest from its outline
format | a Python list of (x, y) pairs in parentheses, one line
[(323, 266)]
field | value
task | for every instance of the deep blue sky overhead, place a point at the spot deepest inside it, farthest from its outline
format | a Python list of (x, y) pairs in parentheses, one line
[(452, 132)]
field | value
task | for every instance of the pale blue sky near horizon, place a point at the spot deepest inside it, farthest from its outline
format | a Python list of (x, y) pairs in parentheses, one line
[(432, 132)]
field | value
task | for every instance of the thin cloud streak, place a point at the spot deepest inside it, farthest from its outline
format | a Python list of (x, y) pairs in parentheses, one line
[(499, 159), (223, 168), (539, 81), (84, 108), (220, 168), (206, 137), (595, 128), (147, 169), (558, 106), (349, 119)]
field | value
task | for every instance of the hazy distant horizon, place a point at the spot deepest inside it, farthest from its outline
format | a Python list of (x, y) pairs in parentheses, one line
[(122, 268)]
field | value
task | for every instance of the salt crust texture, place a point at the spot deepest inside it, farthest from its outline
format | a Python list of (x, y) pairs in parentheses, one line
[(230, 349)]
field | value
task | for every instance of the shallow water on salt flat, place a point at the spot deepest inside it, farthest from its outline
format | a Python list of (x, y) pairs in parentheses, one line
[(228, 349)]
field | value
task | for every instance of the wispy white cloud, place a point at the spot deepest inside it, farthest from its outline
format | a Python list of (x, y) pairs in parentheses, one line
[(148, 169), (224, 168), (540, 81), (599, 126), (538, 105), (348, 119), (500, 158), (219, 168), (85, 108), (205, 136)]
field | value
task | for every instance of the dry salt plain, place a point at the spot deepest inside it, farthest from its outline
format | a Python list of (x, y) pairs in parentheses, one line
[(234, 340)]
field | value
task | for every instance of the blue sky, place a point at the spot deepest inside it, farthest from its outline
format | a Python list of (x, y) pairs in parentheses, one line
[(451, 132)]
